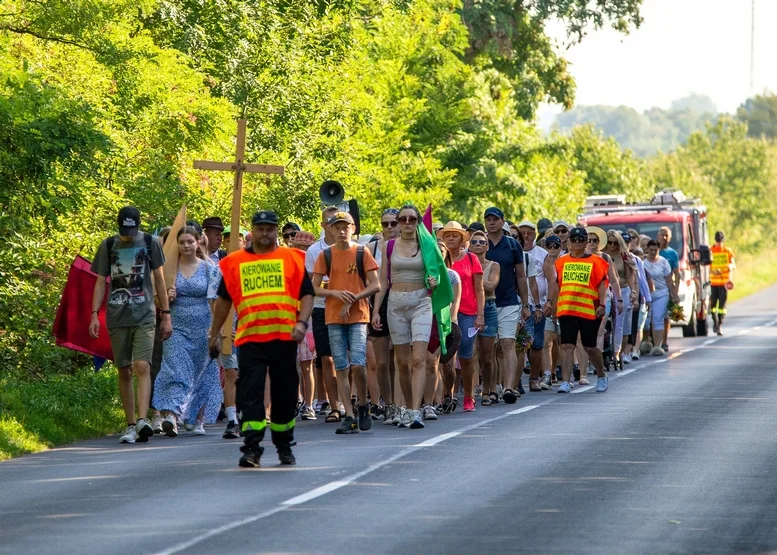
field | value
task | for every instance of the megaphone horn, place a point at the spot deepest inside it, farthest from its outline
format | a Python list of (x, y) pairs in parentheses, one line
[(331, 192)]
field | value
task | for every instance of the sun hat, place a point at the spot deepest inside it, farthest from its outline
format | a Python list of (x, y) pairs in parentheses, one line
[(453, 227)]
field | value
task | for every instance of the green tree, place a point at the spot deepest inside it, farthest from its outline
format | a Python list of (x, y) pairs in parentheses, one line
[(760, 115)]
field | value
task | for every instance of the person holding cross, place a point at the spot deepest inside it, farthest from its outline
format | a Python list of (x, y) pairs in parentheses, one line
[(273, 298)]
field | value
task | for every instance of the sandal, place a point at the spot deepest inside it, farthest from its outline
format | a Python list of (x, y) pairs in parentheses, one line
[(333, 417), (494, 398), (486, 401), (534, 385)]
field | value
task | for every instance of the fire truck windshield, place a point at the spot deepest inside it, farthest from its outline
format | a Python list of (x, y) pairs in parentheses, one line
[(651, 230)]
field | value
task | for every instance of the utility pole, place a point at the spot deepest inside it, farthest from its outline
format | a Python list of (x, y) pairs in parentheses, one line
[(752, 48)]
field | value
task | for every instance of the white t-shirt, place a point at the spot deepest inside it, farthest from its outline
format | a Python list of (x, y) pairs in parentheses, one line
[(537, 257), (311, 255), (659, 271)]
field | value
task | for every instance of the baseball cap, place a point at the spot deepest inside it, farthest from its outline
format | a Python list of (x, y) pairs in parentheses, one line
[(506, 228), (129, 221), (291, 225), (544, 225), (553, 239), (195, 225), (340, 216), (214, 222), (265, 217), (626, 236), (494, 211), (578, 232), (476, 226), (526, 223), (561, 223), (228, 229)]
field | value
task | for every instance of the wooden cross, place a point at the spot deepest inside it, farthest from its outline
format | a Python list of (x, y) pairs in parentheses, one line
[(239, 167)]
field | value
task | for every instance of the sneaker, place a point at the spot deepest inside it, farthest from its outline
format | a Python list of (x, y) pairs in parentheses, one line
[(590, 370), (626, 359), (583, 381), (546, 382), (520, 389), (251, 456), (416, 419), (232, 431), (469, 404), (601, 385), (404, 417), (316, 405), (534, 385), (144, 430), (429, 413), (156, 423), (665, 347), (719, 332), (199, 428), (170, 426), (188, 426), (388, 415), (635, 356), (308, 413), (510, 396), (564, 388), (576, 372), (365, 420), (323, 408), (129, 435), (286, 456), (447, 405), (500, 392), (397, 416), (348, 426), (478, 390), (376, 412)]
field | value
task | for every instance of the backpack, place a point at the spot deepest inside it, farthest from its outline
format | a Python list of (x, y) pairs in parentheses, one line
[(359, 262)]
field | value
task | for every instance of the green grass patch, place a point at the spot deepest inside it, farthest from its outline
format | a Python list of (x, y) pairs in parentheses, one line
[(754, 272), (58, 410)]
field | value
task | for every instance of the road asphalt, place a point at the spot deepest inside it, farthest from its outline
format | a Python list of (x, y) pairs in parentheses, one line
[(676, 457)]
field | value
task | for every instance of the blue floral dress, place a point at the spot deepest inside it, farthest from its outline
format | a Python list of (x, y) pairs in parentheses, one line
[(189, 378)]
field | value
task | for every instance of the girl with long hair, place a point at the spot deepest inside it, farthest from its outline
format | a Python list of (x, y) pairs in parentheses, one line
[(188, 381), (626, 269), (409, 314)]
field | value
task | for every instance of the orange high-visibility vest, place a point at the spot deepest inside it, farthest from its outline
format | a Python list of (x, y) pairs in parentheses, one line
[(720, 273), (265, 290), (578, 280)]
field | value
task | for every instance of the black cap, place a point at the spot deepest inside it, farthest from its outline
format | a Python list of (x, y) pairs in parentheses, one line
[(494, 211), (553, 239), (195, 225), (291, 225), (543, 226), (476, 226), (129, 221), (719, 237), (265, 217), (578, 232), (214, 222)]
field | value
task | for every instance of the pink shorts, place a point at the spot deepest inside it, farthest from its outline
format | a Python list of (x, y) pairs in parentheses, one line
[(306, 350)]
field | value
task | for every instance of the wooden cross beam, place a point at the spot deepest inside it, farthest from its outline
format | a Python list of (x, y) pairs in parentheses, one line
[(239, 167)]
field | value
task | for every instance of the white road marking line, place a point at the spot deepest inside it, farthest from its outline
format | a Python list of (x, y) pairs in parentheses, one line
[(523, 409), (318, 492), (439, 439), (582, 389)]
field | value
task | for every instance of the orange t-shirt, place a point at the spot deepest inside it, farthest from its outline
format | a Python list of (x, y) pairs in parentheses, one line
[(344, 276)]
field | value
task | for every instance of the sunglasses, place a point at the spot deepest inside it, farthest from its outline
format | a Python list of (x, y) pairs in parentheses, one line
[(552, 246), (593, 240), (613, 243), (407, 220), (479, 242), (289, 235), (560, 231), (577, 239), (392, 223)]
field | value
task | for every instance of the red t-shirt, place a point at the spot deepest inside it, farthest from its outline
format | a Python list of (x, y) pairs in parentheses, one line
[(467, 267)]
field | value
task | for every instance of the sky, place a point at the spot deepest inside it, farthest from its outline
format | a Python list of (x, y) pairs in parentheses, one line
[(682, 47)]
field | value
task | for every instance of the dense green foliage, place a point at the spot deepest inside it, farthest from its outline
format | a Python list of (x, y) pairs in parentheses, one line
[(647, 133), (107, 102), (760, 115)]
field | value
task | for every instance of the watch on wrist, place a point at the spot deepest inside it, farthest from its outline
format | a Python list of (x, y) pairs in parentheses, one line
[(304, 323), (164, 312)]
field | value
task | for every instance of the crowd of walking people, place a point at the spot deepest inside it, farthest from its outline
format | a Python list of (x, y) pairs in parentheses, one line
[(399, 327)]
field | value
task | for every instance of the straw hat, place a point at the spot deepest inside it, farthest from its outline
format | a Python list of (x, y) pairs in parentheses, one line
[(453, 227), (600, 233), (303, 239)]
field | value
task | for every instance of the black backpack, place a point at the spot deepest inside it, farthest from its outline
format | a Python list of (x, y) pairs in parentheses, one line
[(146, 237), (359, 262)]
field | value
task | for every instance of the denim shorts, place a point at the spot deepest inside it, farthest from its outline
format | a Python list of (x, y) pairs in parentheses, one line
[(491, 316), (467, 346), (345, 338)]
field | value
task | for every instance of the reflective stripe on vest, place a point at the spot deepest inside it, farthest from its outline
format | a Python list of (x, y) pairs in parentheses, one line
[(577, 297), (264, 290), (721, 258)]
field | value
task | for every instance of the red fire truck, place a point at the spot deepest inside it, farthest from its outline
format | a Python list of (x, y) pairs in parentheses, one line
[(687, 218)]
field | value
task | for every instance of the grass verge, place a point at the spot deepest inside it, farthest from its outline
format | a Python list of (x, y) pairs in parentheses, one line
[(754, 272), (61, 409)]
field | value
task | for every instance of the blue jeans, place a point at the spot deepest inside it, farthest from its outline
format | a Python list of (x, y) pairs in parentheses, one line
[(348, 337), (467, 346), (491, 317), (538, 332)]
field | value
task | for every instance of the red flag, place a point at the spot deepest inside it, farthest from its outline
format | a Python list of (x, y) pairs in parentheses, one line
[(71, 326), (427, 219)]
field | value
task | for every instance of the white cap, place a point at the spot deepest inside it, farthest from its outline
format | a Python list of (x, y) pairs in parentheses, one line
[(527, 224), (506, 227), (561, 223)]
